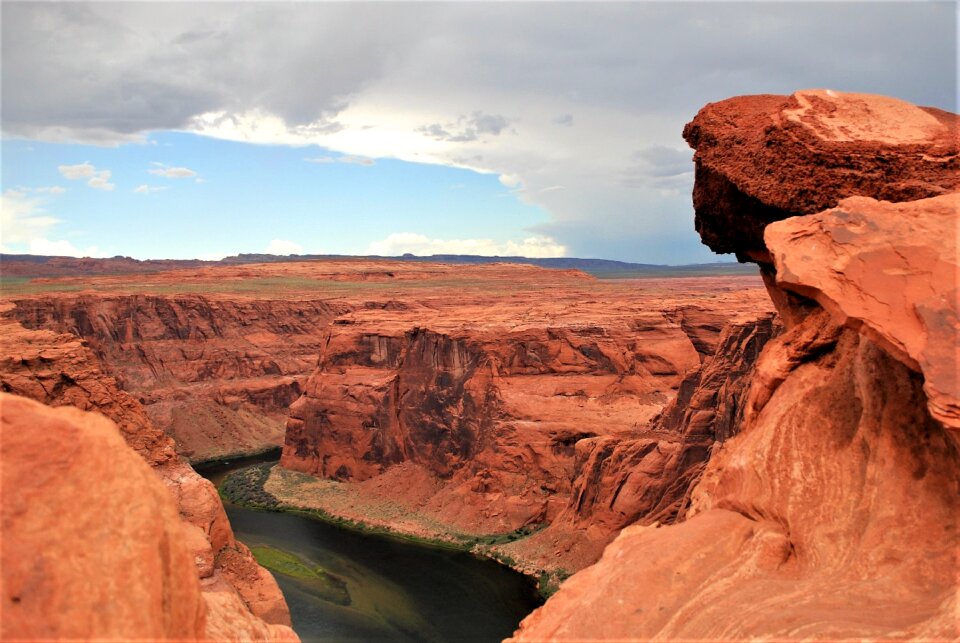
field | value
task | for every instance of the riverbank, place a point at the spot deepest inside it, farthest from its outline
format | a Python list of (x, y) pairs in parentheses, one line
[(268, 486)]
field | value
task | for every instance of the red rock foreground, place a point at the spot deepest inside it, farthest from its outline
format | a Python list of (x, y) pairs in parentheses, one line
[(834, 513), (93, 546), (61, 370)]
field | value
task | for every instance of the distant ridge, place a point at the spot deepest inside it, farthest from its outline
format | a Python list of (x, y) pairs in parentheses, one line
[(14, 265)]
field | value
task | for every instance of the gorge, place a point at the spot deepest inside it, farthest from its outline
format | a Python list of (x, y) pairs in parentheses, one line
[(705, 457)]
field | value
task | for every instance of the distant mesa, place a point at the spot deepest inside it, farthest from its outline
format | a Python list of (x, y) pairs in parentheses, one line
[(17, 265)]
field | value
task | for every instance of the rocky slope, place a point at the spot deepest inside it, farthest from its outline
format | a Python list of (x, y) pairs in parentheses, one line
[(833, 514), (60, 370), (476, 417), (93, 546)]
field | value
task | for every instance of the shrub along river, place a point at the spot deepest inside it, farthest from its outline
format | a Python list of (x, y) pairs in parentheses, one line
[(346, 585)]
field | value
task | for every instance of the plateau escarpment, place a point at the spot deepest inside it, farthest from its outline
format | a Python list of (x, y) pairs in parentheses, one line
[(833, 513)]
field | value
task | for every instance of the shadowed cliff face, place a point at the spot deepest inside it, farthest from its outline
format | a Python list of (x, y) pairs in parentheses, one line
[(833, 514)]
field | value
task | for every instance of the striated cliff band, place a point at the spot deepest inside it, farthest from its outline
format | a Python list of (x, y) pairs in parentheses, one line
[(833, 513)]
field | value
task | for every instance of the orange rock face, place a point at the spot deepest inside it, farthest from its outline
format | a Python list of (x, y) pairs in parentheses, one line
[(60, 370), (834, 513), (217, 375), (761, 159), (497, 399), (93, 547)]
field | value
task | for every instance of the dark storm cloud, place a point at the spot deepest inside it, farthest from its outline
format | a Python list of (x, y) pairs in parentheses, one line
[(125, 68), (632, 73)]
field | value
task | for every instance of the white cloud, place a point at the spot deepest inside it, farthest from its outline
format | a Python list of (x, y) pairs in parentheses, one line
[(173, 172), (511, 180), (99, 179), (79, 171), (400, 243), (25, 227), (283, 247), (43, 246), (53, 189), (349, 159), (568, 95), (147, 189), (22, 219)]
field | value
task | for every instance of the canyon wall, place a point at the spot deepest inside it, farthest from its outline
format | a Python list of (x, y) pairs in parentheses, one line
[(516, 417), (61, 370), (833, 513), (216, 374)]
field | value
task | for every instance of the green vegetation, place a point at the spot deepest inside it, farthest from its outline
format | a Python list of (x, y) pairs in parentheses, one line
[(245, 487), (329, 587), (549, 582)]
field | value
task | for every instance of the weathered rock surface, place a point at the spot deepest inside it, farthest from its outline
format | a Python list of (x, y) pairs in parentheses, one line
[(834, 513), (761, 159), (889, 270), (646, 477), (93, 547), (492, 399), (216, 374), (60, 370)]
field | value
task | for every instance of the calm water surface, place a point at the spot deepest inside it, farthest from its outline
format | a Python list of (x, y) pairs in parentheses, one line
[(399, 591)]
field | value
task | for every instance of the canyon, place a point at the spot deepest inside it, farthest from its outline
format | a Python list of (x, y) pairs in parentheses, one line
[(459, 397), (710, 457)]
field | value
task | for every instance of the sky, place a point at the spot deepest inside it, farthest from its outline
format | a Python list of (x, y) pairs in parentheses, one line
[(201, 130)]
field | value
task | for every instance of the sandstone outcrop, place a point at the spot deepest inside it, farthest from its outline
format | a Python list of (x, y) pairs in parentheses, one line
[(93, 547), (60, 370), (833, 513), (646, 477), (765, 158), (495, 407)]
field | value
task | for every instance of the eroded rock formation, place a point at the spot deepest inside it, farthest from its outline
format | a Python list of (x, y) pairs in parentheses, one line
[(834, 513), (60, 370), (216, 374), (499, 409), (93, 546)]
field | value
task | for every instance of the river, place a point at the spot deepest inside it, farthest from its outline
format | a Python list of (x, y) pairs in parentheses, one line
[(396, 590)]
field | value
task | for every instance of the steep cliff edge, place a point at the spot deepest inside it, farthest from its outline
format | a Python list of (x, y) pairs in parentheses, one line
[(833, 514), (60, 370), (217, 374), (94, 548)]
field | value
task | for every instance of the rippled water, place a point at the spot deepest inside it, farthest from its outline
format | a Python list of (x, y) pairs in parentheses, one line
[(399, 591)]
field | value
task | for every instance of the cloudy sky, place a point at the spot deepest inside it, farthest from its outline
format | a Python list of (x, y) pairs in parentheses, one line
[(543, 129)]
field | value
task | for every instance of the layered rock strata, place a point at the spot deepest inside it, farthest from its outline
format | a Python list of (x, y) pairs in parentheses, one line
[(93, 546), (60, 370), (216, 374), (494, 413), (833, 514)]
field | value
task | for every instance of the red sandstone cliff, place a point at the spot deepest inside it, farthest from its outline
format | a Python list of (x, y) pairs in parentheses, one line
[(497, 410), (216, 374), (60, 370), (833, 514), (93, 547)]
